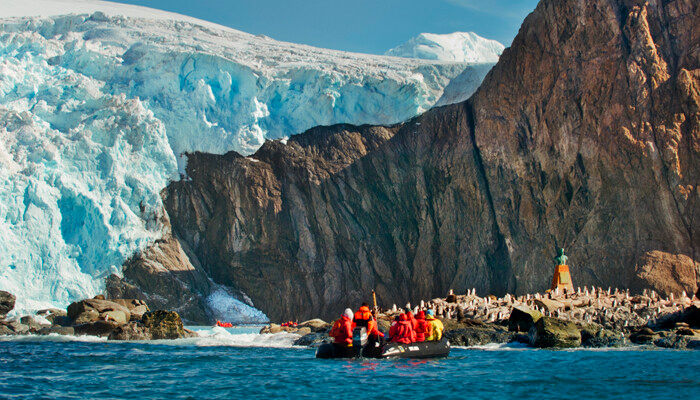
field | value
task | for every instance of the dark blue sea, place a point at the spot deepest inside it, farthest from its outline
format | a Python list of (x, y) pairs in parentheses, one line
[(240, 364)]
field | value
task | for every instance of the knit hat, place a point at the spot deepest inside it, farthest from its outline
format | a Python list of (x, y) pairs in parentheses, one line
[(430, 312), (348, 313)]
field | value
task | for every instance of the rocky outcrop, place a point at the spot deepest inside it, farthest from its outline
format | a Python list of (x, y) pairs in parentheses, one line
[(522, 318), (552, 332), (163, 324), (163, 276), (584, 136), (7, 303), (92, 310)]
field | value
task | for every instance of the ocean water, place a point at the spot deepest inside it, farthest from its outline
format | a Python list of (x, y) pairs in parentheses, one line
[(239, 363)]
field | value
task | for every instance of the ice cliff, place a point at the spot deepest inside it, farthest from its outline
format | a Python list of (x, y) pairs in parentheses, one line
[(97, 110)]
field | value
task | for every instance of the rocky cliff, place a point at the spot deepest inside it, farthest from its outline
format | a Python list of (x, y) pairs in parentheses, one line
[(586, 135)]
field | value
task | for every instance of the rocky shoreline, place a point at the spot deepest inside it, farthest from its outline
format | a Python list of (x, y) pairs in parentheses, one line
[(588, 318), (115, 319)]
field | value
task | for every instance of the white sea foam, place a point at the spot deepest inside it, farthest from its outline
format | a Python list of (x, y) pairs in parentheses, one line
[(496, 347), (218, 336)]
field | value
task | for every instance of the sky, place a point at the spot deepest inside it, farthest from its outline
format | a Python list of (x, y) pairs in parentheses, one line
[(365, 26)]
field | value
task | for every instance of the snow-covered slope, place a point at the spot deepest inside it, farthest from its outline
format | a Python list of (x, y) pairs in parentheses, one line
[(97, 109), (459, 46)]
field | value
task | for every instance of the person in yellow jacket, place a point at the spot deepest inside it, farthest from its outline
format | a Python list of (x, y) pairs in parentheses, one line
[(436, 332)]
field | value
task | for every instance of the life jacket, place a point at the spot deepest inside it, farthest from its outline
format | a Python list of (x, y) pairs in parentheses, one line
[(423, 328), (362, 317), (412, 319), (403, 331), (342, 331), (436, 329)]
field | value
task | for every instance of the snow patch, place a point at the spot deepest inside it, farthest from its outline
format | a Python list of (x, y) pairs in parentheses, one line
[(459, 46), (228, 308)]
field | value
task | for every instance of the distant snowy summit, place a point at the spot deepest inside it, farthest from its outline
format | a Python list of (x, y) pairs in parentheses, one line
[(459, 46)]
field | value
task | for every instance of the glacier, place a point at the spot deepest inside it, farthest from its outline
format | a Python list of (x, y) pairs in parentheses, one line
[(458, 46), (99, 108)]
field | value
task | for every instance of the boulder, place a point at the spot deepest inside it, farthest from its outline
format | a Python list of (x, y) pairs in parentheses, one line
[(7, 303), (303, 331), (550, 305), (98, 328), (57, 330), (33, 324), (132, 331), (679, 342), (5, 330), (116, 316), (51, 313), (644, 336), (17, 327), (593, 335), (130, 303), (522, 318), (62, 320), (476, 336), (164, 324), (91, 306), (137, 312), (314, 339), (553, 332), (316, 325), (272, 328), (86, 317)]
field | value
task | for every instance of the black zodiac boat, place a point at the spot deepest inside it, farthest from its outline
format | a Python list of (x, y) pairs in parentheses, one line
[(371, 349)]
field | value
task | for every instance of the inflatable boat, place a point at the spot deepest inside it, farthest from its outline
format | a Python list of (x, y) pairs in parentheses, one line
[(362, 347)]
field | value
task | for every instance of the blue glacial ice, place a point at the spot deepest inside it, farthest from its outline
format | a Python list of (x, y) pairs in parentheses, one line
[(98, 111)]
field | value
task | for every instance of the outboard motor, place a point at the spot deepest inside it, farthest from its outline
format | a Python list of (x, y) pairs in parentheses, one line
[(359, 339)]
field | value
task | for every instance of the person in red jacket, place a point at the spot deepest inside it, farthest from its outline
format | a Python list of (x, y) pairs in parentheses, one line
[(423, 327), (412, 320), (402, 331), (342, 329)]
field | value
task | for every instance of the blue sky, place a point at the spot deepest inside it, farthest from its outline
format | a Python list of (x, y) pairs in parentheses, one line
[(367, 26)]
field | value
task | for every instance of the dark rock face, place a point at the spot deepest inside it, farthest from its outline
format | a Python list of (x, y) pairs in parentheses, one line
[(7, 303), (552, 332), (584, 136)]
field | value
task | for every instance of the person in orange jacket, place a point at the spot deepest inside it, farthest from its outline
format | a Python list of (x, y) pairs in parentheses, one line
[(342, 329), (423, 327), (402, 331), (363, 317)]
